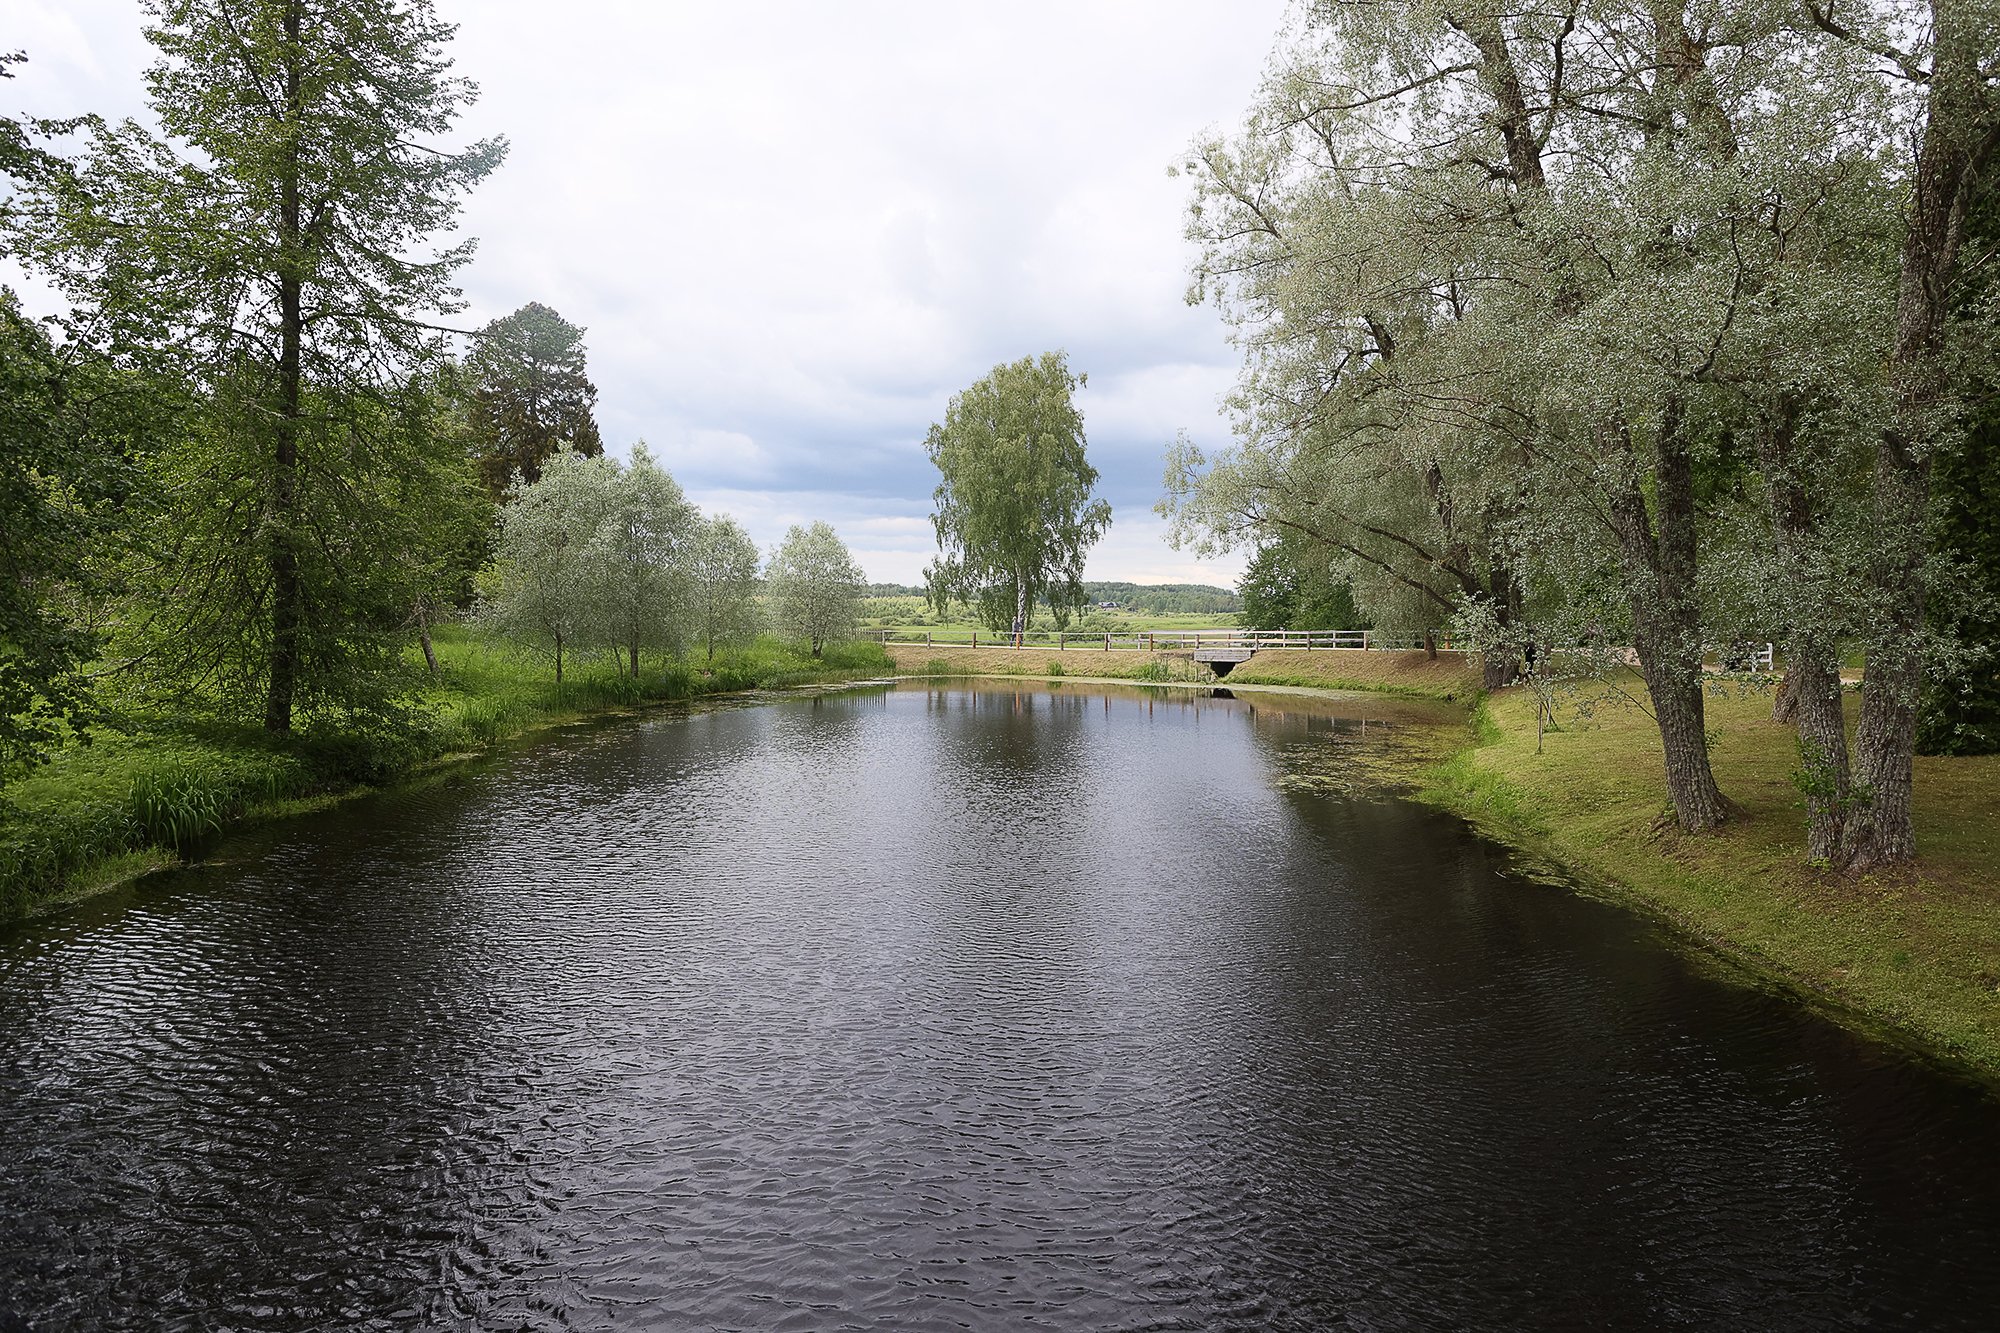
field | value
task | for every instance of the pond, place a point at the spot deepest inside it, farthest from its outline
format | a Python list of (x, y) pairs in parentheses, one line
[(945, 1007)]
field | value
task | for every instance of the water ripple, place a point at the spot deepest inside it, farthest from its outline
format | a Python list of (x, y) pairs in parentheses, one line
[(943, 1009)]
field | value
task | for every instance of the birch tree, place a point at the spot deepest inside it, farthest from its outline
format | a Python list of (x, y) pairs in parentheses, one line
[(1015, 511)]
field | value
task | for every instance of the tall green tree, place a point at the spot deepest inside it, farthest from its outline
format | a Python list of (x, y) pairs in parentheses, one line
[(1520, 294), (275, 250), (1943, 51), (723, 568), (530, 394), (815, 586), (1015, 512)]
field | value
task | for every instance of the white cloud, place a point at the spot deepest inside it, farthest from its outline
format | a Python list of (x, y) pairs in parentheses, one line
[(793, 230)]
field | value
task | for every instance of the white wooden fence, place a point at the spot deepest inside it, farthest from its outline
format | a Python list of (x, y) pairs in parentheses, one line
[(1187, 640), (1151, 641)]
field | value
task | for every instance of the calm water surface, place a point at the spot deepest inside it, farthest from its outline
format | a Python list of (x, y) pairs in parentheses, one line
[(939, 1009)]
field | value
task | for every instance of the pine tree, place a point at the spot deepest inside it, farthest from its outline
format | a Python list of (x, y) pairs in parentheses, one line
[(274, 250)]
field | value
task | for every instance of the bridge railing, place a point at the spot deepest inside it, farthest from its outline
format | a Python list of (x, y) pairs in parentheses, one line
[(1158, 641)]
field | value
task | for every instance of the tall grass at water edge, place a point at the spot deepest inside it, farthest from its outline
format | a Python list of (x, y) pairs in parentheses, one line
[(168, 782)]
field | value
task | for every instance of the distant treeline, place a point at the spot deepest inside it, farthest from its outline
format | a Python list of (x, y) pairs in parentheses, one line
[(1155, 598)]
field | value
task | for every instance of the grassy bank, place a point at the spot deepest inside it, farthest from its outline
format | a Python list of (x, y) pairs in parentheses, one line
[(137, 797), (1918, 954), (1412, 674)]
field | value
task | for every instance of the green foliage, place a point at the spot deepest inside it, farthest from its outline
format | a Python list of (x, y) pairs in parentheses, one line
[(396, 521), (723, 572), (1960, 709), (272, 255), (815, 586), (1055, 667), (544, 588), (1288, 584), (530, 395), (642, 555), (1165, 598), (1015, 516), (51, 473)]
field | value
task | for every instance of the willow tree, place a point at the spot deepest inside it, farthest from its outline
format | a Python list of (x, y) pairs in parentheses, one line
[(1015, 514), (642, 554), (1945, 54), (546, 589), (275, 249), (1491, 267), (815, 586), (722, 571)]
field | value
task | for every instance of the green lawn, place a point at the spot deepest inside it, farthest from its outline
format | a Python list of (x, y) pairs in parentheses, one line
[(1916, 952)]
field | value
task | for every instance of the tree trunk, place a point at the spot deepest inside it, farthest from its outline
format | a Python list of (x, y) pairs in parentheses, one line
[(635, 654), (1958, 134), (1679, 710), (1822, 732), (559, 648), (1809, 698), (1659, 547), (1885, 742), (1785, 703), (287, 594), (424, 638)]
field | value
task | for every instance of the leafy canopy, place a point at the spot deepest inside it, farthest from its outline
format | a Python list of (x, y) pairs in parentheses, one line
[(815, 586), (1015, 516), (531, 394)]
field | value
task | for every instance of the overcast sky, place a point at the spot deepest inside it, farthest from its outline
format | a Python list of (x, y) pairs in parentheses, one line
[(794, 229)]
